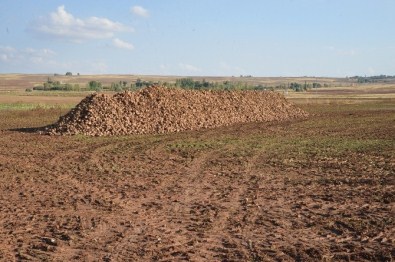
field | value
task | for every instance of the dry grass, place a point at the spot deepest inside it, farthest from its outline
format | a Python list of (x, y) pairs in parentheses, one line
[(20, 101), (345, 95)]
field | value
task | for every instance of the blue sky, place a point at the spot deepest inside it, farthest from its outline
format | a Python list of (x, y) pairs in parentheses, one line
[(205, 37)]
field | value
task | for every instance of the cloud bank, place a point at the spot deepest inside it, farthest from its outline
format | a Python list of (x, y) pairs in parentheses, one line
[(189, 68), (11, 55)]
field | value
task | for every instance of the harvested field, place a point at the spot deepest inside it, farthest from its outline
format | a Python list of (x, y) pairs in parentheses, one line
[(157, 109), (321, 188)]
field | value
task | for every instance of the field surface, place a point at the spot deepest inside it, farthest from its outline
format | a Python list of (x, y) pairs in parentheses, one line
[(321, 189)]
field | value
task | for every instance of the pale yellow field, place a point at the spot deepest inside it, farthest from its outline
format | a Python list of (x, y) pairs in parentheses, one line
[(13, 95)]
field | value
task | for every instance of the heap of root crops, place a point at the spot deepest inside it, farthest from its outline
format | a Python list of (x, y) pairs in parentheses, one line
[(163, 110)]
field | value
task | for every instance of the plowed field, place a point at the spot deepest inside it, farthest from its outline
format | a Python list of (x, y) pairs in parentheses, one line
[(317, 189)]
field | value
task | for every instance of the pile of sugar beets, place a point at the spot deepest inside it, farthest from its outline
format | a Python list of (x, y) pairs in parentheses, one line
[(157, 109)]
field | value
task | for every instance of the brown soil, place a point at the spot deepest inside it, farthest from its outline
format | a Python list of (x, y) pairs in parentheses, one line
[(165, 110), (247, 192)]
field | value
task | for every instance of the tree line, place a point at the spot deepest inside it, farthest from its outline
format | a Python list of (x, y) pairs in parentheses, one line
[(372, 79), (189, 83), (185, 83)]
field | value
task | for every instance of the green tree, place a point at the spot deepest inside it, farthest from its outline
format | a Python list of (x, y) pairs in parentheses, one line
[(116, 87), (47, 86), (68, 87), (95, 86), (316, 85), (185, 83), (139, 83), (296, 87)]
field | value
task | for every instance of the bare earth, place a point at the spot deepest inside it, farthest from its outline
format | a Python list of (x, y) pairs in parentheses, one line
[(303, 190)]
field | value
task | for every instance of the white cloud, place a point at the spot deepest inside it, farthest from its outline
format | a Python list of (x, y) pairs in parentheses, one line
[(15, 56), (340, 51), (189, 68), (7, 49), (45, 60), (38, 52), (63, 25), (140, 11), (122, 44), (7, 53)]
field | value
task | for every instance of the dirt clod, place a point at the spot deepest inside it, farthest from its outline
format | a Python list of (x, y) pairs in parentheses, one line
[(49, 241)]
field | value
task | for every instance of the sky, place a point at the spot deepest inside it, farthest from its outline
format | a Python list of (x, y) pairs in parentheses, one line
[(334, 38)]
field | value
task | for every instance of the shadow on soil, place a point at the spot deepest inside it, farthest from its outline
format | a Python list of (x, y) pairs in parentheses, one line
[(40, 130)]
